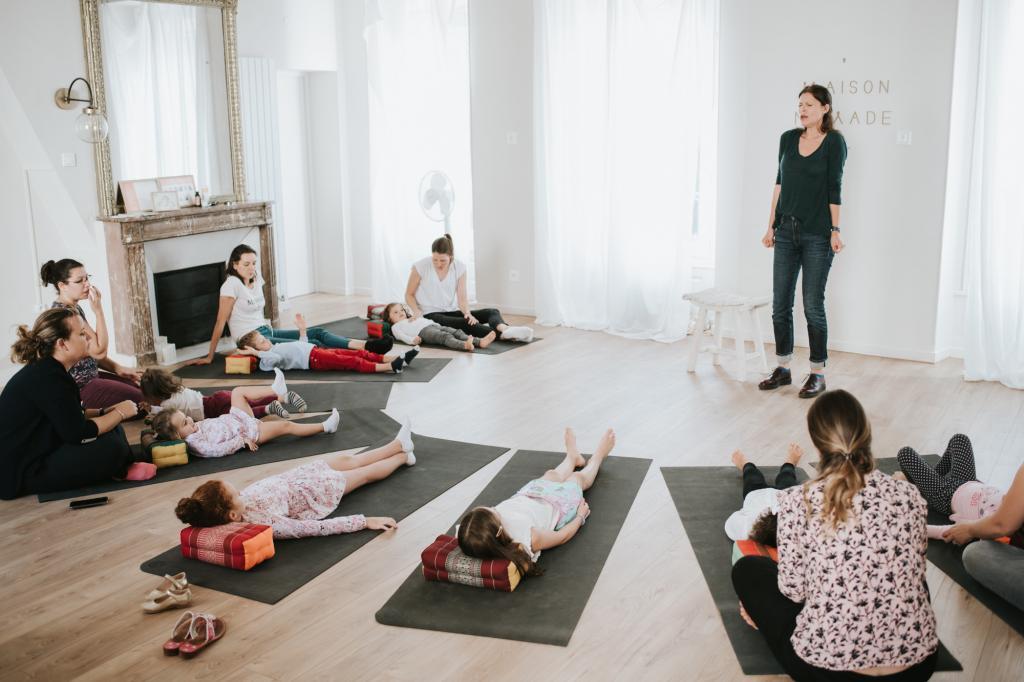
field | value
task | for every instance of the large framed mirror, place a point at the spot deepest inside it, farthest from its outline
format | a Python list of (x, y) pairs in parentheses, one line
[(165, 73)]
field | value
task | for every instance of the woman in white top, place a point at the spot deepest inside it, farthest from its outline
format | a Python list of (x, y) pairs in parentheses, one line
[(241, 309), (437, 291)]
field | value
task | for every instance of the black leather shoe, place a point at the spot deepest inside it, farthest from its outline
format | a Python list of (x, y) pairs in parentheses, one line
[(814, 385), (780, 377)]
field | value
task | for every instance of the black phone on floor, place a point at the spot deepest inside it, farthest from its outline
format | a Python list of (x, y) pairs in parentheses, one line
[(89, 502)]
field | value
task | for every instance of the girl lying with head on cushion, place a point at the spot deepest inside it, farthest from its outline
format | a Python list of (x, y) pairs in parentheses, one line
[(302, 354), (295, 503), (163, 391), (229, 433), (415, 331), (545, 513), (757, 520)]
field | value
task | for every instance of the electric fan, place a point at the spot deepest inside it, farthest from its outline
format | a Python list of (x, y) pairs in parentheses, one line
[(437, 198)]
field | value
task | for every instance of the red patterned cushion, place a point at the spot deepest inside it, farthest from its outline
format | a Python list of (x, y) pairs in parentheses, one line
[(235, 545), (444, 561)]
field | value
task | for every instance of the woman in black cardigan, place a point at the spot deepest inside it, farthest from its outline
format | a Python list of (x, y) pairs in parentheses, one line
[(47, 442)]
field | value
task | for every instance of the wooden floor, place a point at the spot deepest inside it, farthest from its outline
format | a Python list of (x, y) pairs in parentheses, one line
[(71, 586)]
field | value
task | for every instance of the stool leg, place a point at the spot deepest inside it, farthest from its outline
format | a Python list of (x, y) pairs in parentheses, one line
[(759, 339), (718, 337), (698, 338), (741, 347)]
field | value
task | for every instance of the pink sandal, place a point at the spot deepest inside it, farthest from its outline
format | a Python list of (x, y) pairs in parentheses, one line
[(206, 629), (182, 631)]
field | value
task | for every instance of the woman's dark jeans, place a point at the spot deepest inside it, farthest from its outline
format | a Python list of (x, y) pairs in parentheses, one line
[(813, 254)]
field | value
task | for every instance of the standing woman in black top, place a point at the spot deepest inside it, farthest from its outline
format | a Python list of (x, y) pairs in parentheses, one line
[(804, 230), (47, 442)]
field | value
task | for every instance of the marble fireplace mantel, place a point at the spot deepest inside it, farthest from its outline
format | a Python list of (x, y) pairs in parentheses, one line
[(126, 238)]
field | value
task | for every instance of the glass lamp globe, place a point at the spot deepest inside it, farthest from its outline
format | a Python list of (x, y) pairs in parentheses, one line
[(91, 126)]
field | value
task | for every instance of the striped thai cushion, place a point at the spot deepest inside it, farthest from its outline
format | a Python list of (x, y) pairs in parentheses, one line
[(443, 561), (235, 545)]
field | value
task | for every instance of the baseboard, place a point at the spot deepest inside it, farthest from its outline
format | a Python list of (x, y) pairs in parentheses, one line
[(949, 352), (877, 350), (363, 291)]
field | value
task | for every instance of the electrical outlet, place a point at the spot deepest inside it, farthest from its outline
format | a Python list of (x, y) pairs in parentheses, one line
[(904, 137), (68, 160), (512, 137), (513, 275)]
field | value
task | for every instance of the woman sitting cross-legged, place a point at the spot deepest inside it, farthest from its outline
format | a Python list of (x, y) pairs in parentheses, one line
[(848, 595), (296, 503), (47, 442), (546, 512)]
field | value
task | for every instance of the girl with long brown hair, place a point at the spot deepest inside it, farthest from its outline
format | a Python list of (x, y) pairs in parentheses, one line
[(545, 513), (849, 591)]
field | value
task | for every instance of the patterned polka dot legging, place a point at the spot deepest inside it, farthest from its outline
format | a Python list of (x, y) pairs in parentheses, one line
[(938, 485)]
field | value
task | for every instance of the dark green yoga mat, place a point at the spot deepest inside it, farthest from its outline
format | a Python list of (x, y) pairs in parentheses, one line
[(358, 428), (948, 558), (440, 465), (355, 328), (704, 498), (421, 370), (323, 395), (542, 609)]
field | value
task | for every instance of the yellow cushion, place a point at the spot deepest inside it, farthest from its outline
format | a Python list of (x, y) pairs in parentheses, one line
[(169, 453), (238, 364)]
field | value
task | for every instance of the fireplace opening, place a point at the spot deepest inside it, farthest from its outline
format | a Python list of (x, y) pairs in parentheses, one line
[(187, 302)]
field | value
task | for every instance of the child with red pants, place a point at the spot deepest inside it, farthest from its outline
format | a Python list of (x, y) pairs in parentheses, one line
[(163, 391), (302, 354)]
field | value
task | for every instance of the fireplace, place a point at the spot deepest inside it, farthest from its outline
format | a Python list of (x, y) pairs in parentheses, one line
[(187, 302)]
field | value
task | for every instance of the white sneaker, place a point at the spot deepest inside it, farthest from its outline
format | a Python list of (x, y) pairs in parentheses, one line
[(524, 334)]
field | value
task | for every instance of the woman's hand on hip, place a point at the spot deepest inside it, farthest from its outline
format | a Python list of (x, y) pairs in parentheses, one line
[(837, 243), (769, 238)]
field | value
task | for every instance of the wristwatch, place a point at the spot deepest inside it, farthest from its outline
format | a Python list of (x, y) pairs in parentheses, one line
[(835, 228)]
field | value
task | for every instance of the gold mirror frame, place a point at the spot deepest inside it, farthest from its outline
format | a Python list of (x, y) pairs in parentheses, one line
[(105, 186)]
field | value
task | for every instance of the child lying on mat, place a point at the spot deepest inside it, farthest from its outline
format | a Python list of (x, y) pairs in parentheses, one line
[(422, 330), (757, 519), (235, 430), (295, 503), (545, 513), (163, 391), (302, 354), (952, 487)]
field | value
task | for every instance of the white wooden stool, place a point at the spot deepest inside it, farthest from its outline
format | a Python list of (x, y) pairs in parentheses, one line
[(739, 307)]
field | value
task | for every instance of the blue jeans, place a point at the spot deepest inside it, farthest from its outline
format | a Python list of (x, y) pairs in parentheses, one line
[(316, 335), (813, 254)]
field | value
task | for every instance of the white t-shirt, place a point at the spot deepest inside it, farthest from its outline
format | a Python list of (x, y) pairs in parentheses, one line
[(434, 295), (247, 313), (521, 513), (188, 400), (757, 502), (407, 330)]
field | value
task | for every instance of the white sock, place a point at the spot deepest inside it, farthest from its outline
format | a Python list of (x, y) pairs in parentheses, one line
[(404, 436), (331, 423), (410, 459), (279, 386)]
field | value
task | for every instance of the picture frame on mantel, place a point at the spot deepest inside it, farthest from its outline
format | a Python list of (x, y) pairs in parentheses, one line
[(184, 185), (136, 195)]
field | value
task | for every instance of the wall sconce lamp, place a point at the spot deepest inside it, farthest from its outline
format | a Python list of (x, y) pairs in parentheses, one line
[(91, 125)]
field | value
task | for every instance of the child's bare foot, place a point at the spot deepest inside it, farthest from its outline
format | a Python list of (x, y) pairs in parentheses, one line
[(468, 344), (739, 459), (572, 450), (604, 448), (488, 340), (794, 454)]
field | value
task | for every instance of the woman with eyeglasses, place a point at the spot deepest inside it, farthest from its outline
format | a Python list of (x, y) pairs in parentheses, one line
[(116, 383)]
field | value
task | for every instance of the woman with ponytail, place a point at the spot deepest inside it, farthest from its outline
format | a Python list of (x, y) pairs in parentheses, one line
[(98, 388), (849, 593), (47, 442), (437, 291), (803, 228)]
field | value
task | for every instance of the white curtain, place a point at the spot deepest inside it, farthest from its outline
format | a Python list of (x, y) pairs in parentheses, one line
[(417, 55), (160, 62), (995, 223), (625, 126)]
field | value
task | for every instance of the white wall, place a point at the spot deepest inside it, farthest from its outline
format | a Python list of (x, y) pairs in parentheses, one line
[(297, 34), (883, 290), (325, 160)]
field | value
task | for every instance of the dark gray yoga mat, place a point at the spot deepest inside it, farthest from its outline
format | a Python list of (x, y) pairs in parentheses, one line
[(323, 395), (440, 465), (948, 558), (358, 428), (704, 498), (421, 370), (355, 328), (542, 609)]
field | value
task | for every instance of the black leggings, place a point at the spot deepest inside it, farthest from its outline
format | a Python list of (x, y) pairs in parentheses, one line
[(753, 479), (81, 464), (938, 485), (489, 319), (756, 580)]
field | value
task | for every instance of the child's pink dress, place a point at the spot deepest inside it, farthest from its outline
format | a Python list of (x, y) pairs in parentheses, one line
[(294, 503), (223, 435)]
